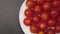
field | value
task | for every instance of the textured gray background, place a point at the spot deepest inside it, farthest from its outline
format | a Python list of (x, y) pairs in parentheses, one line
[(9, 23)]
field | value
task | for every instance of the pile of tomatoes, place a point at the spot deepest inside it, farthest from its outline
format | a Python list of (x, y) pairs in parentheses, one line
[(43, 16)]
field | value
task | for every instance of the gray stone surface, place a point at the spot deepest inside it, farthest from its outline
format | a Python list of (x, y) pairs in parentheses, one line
[(9, 21)]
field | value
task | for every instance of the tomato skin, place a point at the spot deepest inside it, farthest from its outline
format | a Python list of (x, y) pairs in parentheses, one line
[(50, 31), (34, 28), (55, 3), (42, 26), (57, 28), (30, 3), (58, 19), (54, 13), (44, 16), (37, 9), (39, 2), (41, 32), (35, 19), (51, 22), (46, 6), (27, 21), (28, 13), (48, 0)]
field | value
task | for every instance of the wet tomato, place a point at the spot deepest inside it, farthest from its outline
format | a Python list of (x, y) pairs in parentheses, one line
[(30, 3), (51, 22), (35, 19), (54, 13), (34, 28), (55, 3), (40, 1), (41, 32), (37, 9), (44, 16), (57, 28), (58, 19), (48, 0), (42, 26), (28, 13), (27, 21), (46, 6)]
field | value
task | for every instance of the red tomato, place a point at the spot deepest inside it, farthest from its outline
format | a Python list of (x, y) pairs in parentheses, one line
[(28, 13), (46, 6), (51, 22), (30, 3), (54, 13), (50, 31), (48, 0), (55, 3), (34, 28), (41, 32), (57, 28), (42, 26), (58, 19), (27, 21), (37, 9), (40, 1), (44, 16), (35, 19)]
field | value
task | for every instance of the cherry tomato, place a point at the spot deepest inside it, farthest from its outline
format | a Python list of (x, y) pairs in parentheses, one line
[(55, 3), (35, 19), (50, 31), (37, 9), (51, 22), (42, 26), (34, 28), (41, 32), (28, 13), (48, 0), (40, 1), (58, 19), (57, 28), (27, 21), (54, 13), (30, 3), (46, 6), (44, 16)]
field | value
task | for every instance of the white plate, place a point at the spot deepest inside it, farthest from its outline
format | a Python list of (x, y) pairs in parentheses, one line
[(25, 28)]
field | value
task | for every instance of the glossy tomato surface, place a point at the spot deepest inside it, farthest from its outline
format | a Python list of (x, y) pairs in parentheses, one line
[(27, 21), (43, 26), (57, 28), (48, 0), (55, 3), (41, 32), (34, 28), (30, 3), (44, 16), (51, 22), (37, 9), (58, 19), (39, 1), (35, 19), (28, 13), (46, 6), (54, 13)]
